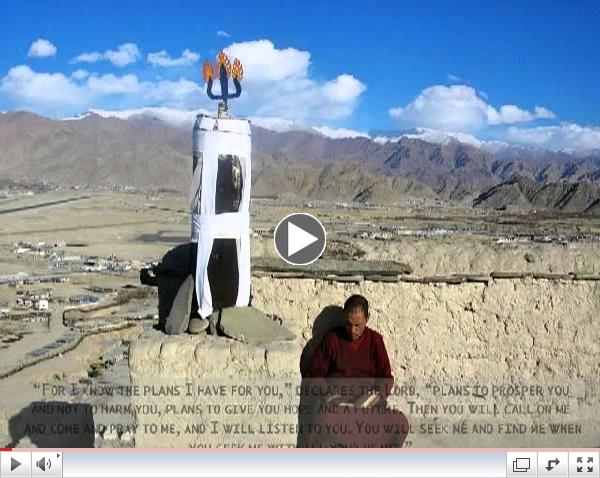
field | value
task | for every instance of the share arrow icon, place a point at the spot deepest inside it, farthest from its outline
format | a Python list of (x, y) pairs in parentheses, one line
[(552, 464)]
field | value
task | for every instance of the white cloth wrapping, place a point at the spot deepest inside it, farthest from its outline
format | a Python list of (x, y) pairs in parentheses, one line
[(221, 137)]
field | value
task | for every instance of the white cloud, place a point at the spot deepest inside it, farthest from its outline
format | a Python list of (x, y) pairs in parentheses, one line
[(280, 125), (185, 118), (41, 49), (339, 133), (460, 108), (162, 58), (57, 94), (541, 112), (307, 100), (508, 114), (567, 136), (30, 89), (383, 139), (175, 117), (124, 55), (433, 136), (440, 107), (110, 84), (80, 74), (223, 34), (454, 79), (564, 136), (343, 89), (442, 137), (179, 94), (277, 84), (263, 62), (90, 57)]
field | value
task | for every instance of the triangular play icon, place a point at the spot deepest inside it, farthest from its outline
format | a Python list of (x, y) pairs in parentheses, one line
[(14, 464), (298, 238)]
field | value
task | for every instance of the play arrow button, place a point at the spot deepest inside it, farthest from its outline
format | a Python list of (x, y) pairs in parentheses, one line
[(15, 463), (299, 238)]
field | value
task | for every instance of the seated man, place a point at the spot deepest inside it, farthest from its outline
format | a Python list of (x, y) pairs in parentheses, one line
[(353, 351), (348, 357)]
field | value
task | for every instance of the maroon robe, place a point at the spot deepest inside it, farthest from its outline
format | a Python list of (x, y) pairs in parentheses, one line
[(340, 358), (336, 358)]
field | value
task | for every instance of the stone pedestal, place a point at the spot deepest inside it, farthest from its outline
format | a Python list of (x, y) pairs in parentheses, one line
[(207, 391)]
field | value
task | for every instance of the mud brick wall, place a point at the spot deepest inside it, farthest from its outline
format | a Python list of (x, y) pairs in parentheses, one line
[(522, 339)]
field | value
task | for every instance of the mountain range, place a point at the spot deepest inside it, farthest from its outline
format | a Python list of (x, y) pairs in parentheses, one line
[(522, 193), (150, 151)]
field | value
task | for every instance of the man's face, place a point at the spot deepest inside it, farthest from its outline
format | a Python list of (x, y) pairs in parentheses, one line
[(356, 321)]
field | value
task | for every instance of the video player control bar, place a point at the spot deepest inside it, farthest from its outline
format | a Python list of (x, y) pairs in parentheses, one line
[(348, 463)]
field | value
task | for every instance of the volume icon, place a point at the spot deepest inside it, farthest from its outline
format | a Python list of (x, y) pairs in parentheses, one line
[(43, 463)]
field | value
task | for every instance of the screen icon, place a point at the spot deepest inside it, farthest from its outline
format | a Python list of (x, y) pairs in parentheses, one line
[(521, 464)]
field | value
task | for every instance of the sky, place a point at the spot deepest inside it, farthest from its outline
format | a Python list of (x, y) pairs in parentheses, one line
[(515, 71)]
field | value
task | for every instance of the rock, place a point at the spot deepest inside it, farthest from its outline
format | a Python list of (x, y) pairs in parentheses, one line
[(197, 325), (213, 320), (179, 316), (344, 278), (330, 266), (251, 326), (381, 278), (549, 276), (510, 275), (585, 276), (530, 258), (171, 273), (443, 280), (482, 278)]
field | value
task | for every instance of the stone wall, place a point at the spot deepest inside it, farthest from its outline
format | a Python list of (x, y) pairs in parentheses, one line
[(509, 335)]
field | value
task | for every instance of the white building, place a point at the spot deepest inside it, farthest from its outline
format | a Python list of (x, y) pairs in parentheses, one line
[(41, 304)]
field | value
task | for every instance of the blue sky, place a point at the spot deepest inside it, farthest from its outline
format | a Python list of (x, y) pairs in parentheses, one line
[(524, 72)]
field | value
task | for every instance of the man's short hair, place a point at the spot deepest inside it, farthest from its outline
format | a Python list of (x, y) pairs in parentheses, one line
[(357, 301)]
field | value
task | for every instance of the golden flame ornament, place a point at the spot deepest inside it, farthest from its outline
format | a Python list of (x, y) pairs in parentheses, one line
[(223, 71), (222, 59), (207, 71), (237, 71)]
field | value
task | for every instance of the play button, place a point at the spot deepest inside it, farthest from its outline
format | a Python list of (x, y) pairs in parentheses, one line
[(299, 239), (15, 464)]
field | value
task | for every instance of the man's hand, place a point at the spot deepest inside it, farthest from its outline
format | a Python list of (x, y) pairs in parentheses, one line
[(367, 400)]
